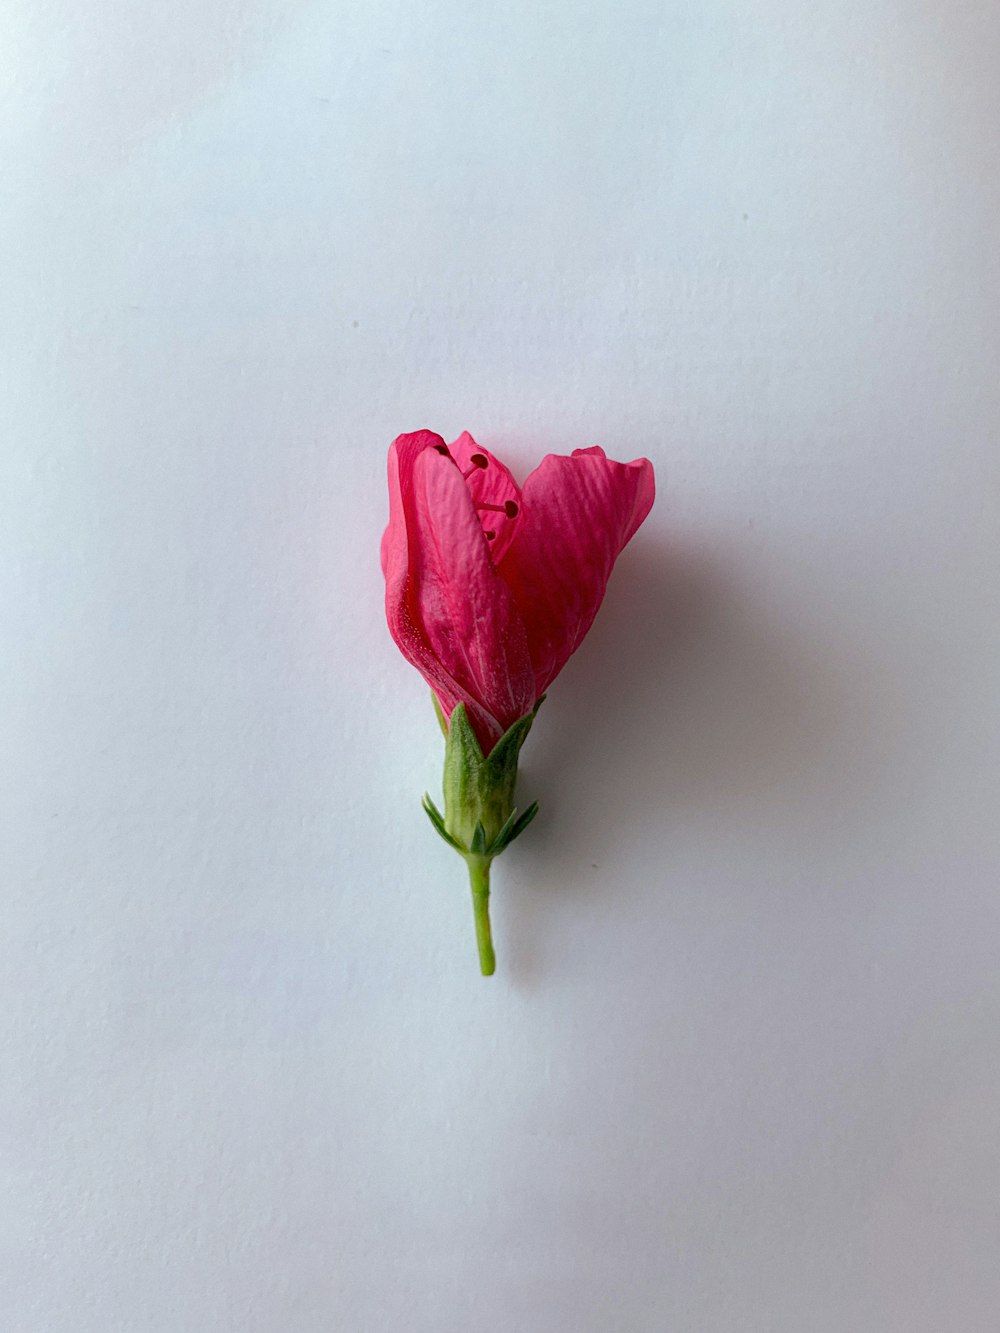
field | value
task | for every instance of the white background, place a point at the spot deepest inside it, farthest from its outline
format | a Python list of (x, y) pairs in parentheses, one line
[(739, 1068)]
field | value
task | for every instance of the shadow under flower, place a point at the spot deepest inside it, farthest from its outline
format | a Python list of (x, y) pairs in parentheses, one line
[(690, 700)]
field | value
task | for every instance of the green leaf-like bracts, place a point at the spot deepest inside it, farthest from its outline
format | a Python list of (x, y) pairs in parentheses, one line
[(436, 818), (503, 837), (513, 829)]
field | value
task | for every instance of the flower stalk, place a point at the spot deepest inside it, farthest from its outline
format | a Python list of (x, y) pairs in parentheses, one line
[(479, 881)]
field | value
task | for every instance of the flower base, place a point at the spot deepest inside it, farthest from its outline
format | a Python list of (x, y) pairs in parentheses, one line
[(480, 818)]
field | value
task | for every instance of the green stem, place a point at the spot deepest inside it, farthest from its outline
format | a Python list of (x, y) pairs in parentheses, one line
[(479, 879)]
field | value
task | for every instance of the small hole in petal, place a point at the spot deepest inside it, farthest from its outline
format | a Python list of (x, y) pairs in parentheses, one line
[(510, 509), (490, 536)]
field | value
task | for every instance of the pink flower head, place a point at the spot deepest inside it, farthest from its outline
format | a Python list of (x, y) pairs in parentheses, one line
[(490, 588)]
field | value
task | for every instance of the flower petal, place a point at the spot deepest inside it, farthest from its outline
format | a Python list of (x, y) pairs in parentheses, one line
[(579, 513), (448, 609), (490, 484)]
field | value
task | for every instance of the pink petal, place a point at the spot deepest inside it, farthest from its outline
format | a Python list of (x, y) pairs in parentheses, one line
[(579, 513), (492, 484), (448, 609)]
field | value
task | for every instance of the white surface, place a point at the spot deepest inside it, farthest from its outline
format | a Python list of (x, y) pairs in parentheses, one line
[(739, 1067)]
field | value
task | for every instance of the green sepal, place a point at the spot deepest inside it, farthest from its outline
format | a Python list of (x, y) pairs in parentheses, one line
[(479, 815), (463, 766)]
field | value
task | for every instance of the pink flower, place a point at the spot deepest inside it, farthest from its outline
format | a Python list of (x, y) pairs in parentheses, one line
[(490, 588)]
